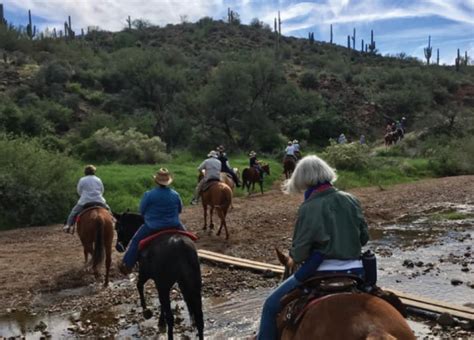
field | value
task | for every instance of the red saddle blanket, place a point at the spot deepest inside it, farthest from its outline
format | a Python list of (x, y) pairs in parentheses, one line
[(146, 241)]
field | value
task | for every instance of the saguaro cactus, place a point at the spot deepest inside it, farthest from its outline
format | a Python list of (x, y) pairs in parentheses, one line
[(30, 29), (279, 24), (354, 39), (437, 56), (2, 18), (428, 51), (311, 37), (465, 58), (362, 45), (458, 61), (349, 42), (372, 42), (129, 22), (330, 41)]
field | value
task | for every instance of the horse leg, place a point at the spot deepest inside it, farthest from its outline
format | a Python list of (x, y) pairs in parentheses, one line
[(164, 296), (147, 313), (205, 216), (211, 226), (261, 186), (108, 254), (190, 287)]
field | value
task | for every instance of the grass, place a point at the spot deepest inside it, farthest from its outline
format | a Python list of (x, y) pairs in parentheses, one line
[(452, 215), (125, 184)]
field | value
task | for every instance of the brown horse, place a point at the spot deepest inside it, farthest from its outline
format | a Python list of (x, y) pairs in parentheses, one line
[(225, 178), (95, 228), (345, 316), (250, 176), (289, 164), (218, 196)]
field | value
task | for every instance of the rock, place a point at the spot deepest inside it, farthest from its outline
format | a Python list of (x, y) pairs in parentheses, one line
[(456, 282), (408, 264), (419, 264), (467, 254), (467, 325), (446, 320), (41, 326), (268, 274), (465, 269)]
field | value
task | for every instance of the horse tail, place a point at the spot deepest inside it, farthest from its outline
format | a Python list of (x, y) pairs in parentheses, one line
[(190, 283), (98, 254)]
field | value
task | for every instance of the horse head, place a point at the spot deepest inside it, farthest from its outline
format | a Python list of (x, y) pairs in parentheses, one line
[(287, 261), (266, 168), (126, 226)]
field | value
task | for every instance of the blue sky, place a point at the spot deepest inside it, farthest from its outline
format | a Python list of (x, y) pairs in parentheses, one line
[(399, 25)]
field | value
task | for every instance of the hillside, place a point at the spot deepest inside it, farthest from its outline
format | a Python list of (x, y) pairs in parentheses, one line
[(196, 85)]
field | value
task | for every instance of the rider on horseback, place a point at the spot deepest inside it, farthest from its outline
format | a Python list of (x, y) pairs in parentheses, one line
[(329, 233), (226, 165), (254, 163), (90, 190), (160, 209), (290, 151), (296, 146), (212, 167)]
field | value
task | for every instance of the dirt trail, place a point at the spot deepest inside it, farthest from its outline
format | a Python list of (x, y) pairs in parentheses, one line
[(43, 259)]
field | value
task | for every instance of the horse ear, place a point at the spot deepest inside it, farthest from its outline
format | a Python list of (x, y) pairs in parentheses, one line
[(281, 257)]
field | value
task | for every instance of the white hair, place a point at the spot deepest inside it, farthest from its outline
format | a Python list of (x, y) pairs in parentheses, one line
[(309, 171)]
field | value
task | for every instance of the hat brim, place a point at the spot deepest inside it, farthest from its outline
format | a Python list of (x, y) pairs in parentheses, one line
[(162, 182)]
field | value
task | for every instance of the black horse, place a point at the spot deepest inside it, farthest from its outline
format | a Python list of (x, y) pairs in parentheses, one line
[(169, 259)]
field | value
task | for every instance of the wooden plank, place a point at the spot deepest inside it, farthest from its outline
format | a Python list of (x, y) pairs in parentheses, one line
[(408, 299), (238, 264), (240, 260), (443, 304)]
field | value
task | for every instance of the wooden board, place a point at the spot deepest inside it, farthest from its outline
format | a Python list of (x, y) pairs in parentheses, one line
[(408, 299)]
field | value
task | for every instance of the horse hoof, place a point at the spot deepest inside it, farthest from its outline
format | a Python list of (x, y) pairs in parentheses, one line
[(147, 314)]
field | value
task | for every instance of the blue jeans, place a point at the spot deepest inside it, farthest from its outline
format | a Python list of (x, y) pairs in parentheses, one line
[(271, 307), (131, 255), (71, 219)]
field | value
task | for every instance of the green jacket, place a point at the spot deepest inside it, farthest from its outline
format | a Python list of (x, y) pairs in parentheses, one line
[(331, 222)]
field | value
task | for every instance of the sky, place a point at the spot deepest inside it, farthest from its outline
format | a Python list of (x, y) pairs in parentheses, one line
[(399, 25)]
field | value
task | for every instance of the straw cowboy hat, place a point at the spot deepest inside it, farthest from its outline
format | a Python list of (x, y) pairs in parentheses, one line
[(252, 153), (163, 177), (212, 154), (290, 143)]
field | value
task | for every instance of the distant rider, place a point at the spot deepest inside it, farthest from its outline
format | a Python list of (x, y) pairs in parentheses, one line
[(296, 146), (342, 139), (212, 171), (254, 163), (226, 165), (290, 151), (90, 190)]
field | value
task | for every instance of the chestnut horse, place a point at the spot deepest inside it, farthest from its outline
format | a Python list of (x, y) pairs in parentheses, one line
[(345, 316), (218, 196), (289, 164), (95, 228), (250, 176)]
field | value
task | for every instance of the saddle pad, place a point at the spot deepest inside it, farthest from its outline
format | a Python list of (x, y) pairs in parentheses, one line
[(206, 186), (146, 241)]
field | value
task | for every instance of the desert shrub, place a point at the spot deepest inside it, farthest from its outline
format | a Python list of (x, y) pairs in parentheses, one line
[(128, 147), (36, 185), (455, 158), (353, 156), (309, 80)]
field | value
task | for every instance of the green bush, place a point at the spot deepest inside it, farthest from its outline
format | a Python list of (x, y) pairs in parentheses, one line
[(128, 147), (456, 158), (353, 156), (36, 185)]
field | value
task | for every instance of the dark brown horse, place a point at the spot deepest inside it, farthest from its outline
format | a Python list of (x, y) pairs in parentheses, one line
[(289, 164), (168, 259), (345, 316), (95, 228), (218, 196), (250, 176)]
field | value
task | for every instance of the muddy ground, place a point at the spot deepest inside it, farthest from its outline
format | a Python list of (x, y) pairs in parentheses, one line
[(42, 270)]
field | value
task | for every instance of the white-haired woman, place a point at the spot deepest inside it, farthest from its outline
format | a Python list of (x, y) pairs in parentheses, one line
[(329, 233)]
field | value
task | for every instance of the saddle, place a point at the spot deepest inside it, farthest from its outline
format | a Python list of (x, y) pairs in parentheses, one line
[(319, 287), (209, 183), (146, 241), (88, 207)]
